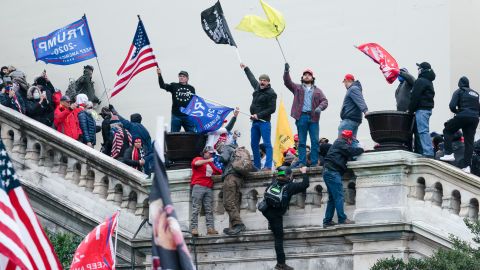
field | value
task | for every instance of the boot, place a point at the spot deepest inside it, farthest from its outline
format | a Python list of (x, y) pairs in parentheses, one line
[(211, 231), (235, 229), (195, 232), (284, 266)]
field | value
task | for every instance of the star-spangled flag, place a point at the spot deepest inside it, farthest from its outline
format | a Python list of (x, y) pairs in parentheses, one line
[(388, 64), (140, 57), (23, 243)]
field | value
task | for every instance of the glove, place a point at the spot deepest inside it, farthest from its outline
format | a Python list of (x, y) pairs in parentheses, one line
[(287, 67), (318, 110)]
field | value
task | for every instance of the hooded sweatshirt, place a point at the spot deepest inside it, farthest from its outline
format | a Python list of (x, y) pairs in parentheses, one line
[(353, 103), (465, 101), (423, 92)]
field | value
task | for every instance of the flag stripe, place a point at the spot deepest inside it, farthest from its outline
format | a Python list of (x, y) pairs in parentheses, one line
[(139, 69), (12, 255), (129, 55), (144, 52), (154, 64), (129, 74)]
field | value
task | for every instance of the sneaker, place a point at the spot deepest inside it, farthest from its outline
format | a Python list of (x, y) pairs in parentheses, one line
[(347, 221), (329, 224), (235, 229), (283, 266), (466, 169), (450, 157), (194, 232), (211, 231)]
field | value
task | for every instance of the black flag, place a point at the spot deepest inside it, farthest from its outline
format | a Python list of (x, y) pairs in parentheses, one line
[(169, 250), (215, 25)]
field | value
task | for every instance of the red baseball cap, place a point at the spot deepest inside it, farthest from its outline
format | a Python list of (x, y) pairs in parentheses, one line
[(307, 70), (295, 137), (349, 77), (347, 134)]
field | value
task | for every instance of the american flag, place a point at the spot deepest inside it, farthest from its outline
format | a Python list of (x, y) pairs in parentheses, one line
[(23, 243), (140, 57)]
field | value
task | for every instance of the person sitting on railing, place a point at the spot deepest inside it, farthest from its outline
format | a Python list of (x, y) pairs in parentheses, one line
[(86, 122), (38, 105), (120, 137), (134, 155)]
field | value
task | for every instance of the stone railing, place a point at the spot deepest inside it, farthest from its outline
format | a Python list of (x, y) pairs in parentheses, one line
[(34, 145)]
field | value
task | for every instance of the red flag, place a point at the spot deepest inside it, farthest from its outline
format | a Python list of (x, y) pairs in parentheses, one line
[(388, 64), (96, 250), (23, 243), (140, 57)]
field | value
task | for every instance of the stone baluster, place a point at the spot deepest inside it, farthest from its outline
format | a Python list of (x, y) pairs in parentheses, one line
[(19, 145), (447, 203), (464, 210), (6, 138), (125, 197), (57, 160), (83, 175), (71, 170), (429, 194), (31, 153), (99, 186)]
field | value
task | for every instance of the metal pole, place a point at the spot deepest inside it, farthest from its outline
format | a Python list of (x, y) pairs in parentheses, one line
[(281, 50), (103, 81), (132, 250)]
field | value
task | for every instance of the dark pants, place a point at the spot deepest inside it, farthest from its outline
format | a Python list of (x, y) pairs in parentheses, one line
[(468, 126), (275, 219), (231, 198), (181, 120)]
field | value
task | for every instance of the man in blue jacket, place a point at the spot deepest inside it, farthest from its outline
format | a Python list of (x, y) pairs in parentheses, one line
[(353, 107), (465, 105)]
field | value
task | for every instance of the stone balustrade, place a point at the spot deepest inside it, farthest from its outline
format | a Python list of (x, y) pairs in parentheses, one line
[(48, 152)]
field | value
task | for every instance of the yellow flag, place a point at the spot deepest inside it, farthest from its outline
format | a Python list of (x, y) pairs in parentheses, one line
[(283, 135), (271, 27)]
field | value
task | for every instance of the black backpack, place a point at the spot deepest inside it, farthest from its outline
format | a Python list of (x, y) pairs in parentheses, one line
[(276, 195)]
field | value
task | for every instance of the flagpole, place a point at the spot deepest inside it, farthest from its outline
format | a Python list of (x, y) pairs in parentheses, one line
[(238, 54), (103, 81), (280, 46), (116, 240)]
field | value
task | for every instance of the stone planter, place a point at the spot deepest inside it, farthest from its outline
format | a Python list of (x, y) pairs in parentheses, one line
[(182, 147), (392, 130)]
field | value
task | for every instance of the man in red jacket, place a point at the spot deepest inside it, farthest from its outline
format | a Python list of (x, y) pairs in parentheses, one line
[(308, 103), (202, 194), (61, 113)]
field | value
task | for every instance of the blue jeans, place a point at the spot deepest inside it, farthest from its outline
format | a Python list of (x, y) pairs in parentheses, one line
[(263, 130), (305, 126), (181, 120), (422, 134), (333, 181), (347, 124)]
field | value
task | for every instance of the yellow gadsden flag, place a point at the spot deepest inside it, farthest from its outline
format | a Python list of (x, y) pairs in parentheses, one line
[(271, 27), (283, 135)]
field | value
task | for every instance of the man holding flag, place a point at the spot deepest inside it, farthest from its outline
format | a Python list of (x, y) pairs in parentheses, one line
[(263, 106), (308, 103)]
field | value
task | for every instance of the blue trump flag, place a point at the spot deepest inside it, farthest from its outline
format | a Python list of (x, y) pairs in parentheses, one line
[(207, 117), (68, 45)]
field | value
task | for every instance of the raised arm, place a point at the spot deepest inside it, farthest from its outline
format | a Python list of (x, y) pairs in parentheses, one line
[(251, 78), (162, 84), (287, 80)]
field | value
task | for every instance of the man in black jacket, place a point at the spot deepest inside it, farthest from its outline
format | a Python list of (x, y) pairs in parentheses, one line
[(264, 104), (275, 215), (333, 170), (182, 93), (465, 104), (421, 103)]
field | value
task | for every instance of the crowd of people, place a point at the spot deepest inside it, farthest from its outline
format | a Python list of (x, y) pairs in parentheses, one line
[(74, 114)]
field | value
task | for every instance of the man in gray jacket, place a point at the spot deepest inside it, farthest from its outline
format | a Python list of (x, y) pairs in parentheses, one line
[(353, 107), (402, 95)]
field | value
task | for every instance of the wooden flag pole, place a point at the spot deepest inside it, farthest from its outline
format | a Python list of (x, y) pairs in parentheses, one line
[(281, 50)]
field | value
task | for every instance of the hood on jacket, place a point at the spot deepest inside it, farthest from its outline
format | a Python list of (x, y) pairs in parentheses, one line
[(31, 90), (427, 74), (22, 82), (464, 82), (356, 84), (136, 118)]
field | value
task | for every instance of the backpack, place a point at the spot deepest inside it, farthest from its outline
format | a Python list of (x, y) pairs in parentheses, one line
[(72, 126), (276, 195), (242, 164)]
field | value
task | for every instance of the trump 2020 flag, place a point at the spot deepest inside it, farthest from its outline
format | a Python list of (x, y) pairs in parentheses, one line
[(388, 64), (169, 250), (23, 243), (140, 57), (96, 251), (207, 117), (68, 45), (215, 25)]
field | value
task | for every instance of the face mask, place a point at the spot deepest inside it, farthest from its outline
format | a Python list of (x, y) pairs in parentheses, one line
[(36, 95)]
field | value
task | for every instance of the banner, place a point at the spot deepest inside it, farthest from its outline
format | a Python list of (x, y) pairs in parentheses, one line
[(215, 25), (68, 45), (207, 117), (388, 64), (96, 251), (271, 27), (283, 135)]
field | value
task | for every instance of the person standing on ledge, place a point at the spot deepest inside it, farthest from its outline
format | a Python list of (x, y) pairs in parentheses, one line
[(264, 104), (308, 103), (335, 166), (182, 93)]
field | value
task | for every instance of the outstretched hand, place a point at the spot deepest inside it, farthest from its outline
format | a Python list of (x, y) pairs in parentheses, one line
[(243, 66), (287, 67), (159, 71), (303, 170), (236, 111)]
